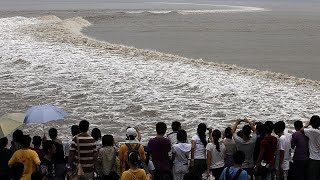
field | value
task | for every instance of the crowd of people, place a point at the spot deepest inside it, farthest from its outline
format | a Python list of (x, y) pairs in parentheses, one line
[(255, 151)]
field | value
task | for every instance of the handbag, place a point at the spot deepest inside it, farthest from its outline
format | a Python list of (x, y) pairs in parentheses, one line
[(78, 174)]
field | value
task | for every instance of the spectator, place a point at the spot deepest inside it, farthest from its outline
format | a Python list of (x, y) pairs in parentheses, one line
[(268, 147), (106, 161), (5, 155), (198, 151), (16, 171), (246, 143), (16, 140), (314, 147), (180, 152), (37, 176), (131, 143), (230, 145), (74, 131), (299, 142), (215, 155), (137, 133), (283, 153), (176, 126), (28, 157), (87, 152), (134, 173), (36, 141), (96, 134), (149, 163), (47, 166), (159, 148), (260, 135), (235, 172), (58, 157)]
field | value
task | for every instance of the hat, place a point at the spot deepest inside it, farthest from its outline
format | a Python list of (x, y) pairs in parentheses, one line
[(131, 132)]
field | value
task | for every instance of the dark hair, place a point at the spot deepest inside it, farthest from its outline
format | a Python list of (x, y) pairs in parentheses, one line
[(17, 135), (268, 126), (182, 136), (16, 170), (84, 126), (47, 145), (261, 129), (107, 140), (315, 121), (298, 125), (240, 133), (134, 158), (36, 176), (201, 131), (239, 157), (53, 133), (228, 133), (246, 130), (175, 126), (161, 128), (216, 135), (36, 140), (75, 130), (96, 134), (3, 143), (279, 127), (25, 141)]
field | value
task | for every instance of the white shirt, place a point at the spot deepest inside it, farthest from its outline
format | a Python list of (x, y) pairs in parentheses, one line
[(67, 148), (181, 151), (247, 148), (199, 150), (284, 144), (217, 160), (314, 143), (173, 138)]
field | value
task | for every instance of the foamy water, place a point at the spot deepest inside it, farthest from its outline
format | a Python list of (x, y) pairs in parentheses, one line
[(46, 60)]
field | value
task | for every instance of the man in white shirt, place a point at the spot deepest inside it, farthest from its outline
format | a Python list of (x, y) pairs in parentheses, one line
[(283, 153), (314, 147)]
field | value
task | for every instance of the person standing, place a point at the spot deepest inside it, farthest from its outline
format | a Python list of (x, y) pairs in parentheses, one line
[(246, 143), (5, 156), (230, 145), (47, 166), (134, 172), (28, 157), (299, 142), (235, 171), (87, 152), (36, 141), (314, 147), (160, 148), (74, 131), (180, 154)]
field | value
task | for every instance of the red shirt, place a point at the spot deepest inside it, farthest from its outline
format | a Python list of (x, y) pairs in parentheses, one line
[(40, 152), (269, 144)]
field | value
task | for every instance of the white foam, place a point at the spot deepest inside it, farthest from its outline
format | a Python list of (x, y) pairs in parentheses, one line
[(46, 60)]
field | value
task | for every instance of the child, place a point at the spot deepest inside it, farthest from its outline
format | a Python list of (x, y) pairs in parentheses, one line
[(134, 173)]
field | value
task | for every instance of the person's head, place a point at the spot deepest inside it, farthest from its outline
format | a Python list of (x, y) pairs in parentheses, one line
[(16, 171), (182, 136), (315, 122), (240, 133), (176, 126), (268, 127), (36, 176), (246, 130), (53, 133), (17, 135), (201, 131), (96, 134), (131, 133), (134, 159), (260, 129), (228, 133), (36, 141), (25, 141), (298, 125), (279, 127), (216, 135), (3, 143), (75, 130), (84, 126), (161, 128), (238, 157), (49, 148), (107, 140)]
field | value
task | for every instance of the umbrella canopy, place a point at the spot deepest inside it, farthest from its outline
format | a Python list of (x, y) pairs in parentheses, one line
[(9, 122), (43, 114)]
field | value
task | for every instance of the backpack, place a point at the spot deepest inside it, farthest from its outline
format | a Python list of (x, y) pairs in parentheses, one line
[(228, 177), (130, 150)]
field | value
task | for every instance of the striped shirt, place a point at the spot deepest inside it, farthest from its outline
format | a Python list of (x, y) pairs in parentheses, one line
[(87, 149)]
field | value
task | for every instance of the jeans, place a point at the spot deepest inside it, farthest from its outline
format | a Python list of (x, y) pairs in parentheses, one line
[(313, 169), (179, 170)]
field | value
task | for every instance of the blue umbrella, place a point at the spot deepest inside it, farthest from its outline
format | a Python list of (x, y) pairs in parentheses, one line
[(43, 114)]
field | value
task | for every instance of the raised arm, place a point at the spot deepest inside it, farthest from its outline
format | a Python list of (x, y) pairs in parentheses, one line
[(251, 125), (234, 128), (138, 134)]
